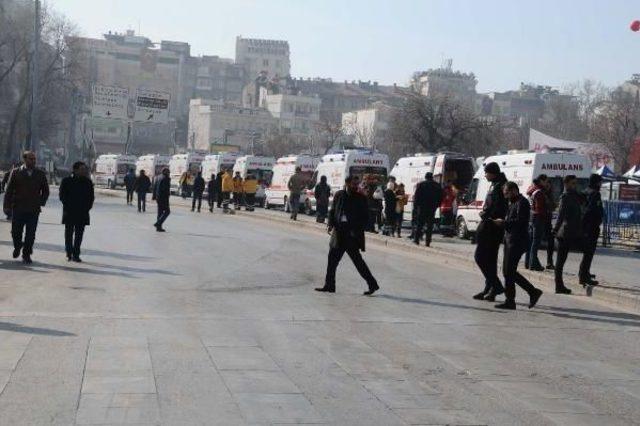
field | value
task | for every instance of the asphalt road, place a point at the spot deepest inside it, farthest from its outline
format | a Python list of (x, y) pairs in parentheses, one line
[(216, 322)]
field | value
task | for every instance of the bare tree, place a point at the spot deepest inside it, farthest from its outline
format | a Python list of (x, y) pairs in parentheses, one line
[(364, 134), (328, 134)]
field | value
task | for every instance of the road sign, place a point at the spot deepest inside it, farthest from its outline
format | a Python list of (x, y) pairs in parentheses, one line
[(109, 102), (152, 106)]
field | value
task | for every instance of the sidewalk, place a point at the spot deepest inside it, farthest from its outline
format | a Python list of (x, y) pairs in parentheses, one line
[(616, 269)]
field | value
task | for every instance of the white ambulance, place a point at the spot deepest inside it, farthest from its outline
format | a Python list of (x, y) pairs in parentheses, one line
[(521, 167), (277, 193), (179, 164), (109, 169), (152, 164), (445, 166), (214, 163), (261, 168)]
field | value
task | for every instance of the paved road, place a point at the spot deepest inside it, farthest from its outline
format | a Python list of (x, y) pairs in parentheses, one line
[(215, 322)]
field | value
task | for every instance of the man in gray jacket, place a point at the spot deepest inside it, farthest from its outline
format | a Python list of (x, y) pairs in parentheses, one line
[(296, 185)]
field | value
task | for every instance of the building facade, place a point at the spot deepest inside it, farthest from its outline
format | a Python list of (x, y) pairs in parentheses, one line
[(257, 55), (218, 78), (444, 82), (296, 114), (368, 127)]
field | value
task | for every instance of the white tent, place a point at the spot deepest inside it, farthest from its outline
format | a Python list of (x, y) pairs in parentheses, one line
[(633, 172)]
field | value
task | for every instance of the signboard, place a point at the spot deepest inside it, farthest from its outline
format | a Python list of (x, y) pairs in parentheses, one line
[(629, 193), (109, 102), (599, 154), (152, 106)]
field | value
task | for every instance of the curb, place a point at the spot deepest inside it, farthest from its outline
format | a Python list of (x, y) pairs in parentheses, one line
[(610, 293)]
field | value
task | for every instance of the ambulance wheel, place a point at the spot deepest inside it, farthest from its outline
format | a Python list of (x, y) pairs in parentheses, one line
[(286, 205), (461, 229)]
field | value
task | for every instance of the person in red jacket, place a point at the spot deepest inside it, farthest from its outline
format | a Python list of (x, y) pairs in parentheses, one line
[(542, 207), (446, 209)]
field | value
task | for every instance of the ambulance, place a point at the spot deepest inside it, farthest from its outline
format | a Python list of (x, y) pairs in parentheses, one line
[(179, 164), (446, 167), (214, 163), (152, 164), (260, 167), (521, 167), (109, 169), (277, 194)]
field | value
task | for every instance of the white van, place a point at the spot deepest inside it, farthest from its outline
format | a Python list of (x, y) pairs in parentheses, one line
[(277, 194), (521, 167), (261, 168), (152, 164), (445, 166), (351, 162), (109, 169), (179, 164), (214, 163)]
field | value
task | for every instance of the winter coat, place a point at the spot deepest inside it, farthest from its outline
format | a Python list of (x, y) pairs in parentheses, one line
[(448, 198), (297, 183), (227, 182), (516, 223), (250, 186), (198, 185), (427, 197), (129, 180), (390, 202), (24, 193), (354, 207), (162, 191), (569, 223), (77, 196), (401, 200), (322, 193), (593, 212), (237, 184), (143, 184)]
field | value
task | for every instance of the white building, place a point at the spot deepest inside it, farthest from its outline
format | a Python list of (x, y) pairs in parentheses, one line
[(368, 127), (296, 114)]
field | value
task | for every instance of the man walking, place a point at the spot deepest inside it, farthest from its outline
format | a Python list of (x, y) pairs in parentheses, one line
[(76, 195), (516, 227), (227, 189), (591, 222), (426, 200), (347, 220), (212, 191), (219, 177), (129, 182), (142, 186), (26, 192), (237, 191), (162, 193), (198, 190), (296, 185), (568, 228), (322, 192), (489, 235)]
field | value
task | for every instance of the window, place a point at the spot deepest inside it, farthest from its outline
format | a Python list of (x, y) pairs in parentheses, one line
[(265, 62)]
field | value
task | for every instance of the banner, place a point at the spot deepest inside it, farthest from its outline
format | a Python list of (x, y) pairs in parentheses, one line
[(152, 106), (109, 102), (598, 153)]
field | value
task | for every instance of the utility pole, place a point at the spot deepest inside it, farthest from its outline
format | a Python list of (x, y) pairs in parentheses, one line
[(33, 137)]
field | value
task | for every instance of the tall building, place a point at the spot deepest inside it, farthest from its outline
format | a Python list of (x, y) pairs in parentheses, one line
[(296, 114), (258, 55), (444, 82), (218, 78)]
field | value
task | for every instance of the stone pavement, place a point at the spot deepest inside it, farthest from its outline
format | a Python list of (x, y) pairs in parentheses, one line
[(216, 322)]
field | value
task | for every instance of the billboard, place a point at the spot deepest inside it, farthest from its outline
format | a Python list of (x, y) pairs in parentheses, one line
[(109, 102), (597, 153), (152, 106)]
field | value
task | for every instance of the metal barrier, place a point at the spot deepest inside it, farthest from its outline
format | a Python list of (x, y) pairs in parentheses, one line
[(621, 222)]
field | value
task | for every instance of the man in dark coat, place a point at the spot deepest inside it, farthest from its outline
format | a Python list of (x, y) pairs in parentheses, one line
[(26, 192), (593, 215), (142, 186), (219, 177), (198, 190), (347, 220), (516, 227), (489, 235), (568, 228), (322, 192), (129, 182), (77, 196), (212, 191), (426, 200), (161, 194)]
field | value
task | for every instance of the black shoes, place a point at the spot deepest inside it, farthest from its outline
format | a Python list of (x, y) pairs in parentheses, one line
[(562, 290), (491, 296), (480, 296), (511, 306), (26, 258), (551, 267), (590, 281), (16, 252), (326, 290), (371, 290), (537, 268), (77, 259), (534, 297)]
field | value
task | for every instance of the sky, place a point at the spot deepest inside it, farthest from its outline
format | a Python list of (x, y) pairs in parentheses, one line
[(503, 42)]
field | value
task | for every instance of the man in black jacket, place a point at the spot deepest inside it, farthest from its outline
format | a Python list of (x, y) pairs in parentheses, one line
[(129, 182), (198, 190), (142, 186), (162, 193), (219, 188), (347, 220), (212, 191), (516, 228), (567, 229), (77, 196), (593, 215), (489, 235), (426, 200)]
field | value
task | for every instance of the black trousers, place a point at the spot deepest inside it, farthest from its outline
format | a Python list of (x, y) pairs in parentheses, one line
[(129, 195), (197, 197), (511, 258), (321, 212), (589, 249), (561, 258), (27, 223), (486, 257), (163, 213), (250, 201), (211, 199), (335, 255), (73, 239), (142, 201), (424, 220), (219, 198)]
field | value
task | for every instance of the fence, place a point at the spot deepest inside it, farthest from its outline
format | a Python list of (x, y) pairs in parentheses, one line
[(622, 222)]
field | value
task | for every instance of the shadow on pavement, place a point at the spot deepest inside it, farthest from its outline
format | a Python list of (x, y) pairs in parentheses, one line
[(60, 249), (633, 319), (19, 266), (125, 269), (17, 328), (434, 303)]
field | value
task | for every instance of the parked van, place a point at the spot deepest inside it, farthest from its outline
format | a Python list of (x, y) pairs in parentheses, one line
[(152, 164), (261, 168), (521, 167), (277, 194), (109, 169), (179, 164), (445, 166), (213, 163)]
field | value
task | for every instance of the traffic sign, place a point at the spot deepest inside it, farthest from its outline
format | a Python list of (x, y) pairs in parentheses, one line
[(152, 106), (109, 102)]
